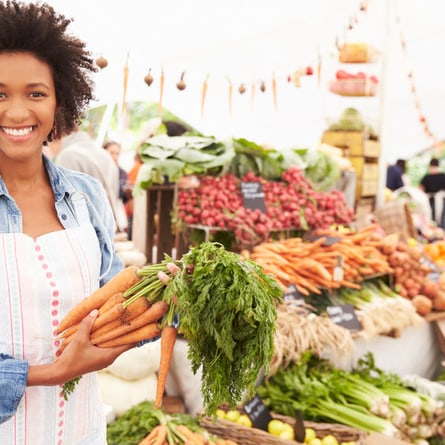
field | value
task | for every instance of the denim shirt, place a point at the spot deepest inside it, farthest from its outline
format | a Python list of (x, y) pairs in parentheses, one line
[(76, 194)]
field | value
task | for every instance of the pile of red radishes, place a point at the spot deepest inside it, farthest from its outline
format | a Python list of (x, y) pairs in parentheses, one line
[(291, 204)]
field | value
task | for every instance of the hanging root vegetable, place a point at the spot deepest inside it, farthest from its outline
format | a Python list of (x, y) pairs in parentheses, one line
[(274, 92), (125, 86), (161, 92), (101, 62), (180, 84), (204, 94), (252, 96), (148, 78)]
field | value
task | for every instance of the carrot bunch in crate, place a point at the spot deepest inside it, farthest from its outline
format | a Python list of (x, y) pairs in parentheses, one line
[(226, 306), (310, 265)]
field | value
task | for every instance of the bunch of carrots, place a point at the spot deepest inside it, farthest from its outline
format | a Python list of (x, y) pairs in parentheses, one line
[(143, 424), (173, 434), (310, 265), (227, 310), (126, 319)]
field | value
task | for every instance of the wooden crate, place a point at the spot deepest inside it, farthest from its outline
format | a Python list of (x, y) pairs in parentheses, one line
[(364, 168), (370, 149), (354, 143), (348, 140)]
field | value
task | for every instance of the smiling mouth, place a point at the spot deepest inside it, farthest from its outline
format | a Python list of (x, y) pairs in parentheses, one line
[(18, 131)]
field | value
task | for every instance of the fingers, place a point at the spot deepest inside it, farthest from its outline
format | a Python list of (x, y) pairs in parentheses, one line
[(87, 322), (173, 268), (163, 277)]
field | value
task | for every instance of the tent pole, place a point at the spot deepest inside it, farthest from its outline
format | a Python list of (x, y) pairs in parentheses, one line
[(384, 100)]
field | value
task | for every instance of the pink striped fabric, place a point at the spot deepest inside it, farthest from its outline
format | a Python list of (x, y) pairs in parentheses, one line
[(40, 281)]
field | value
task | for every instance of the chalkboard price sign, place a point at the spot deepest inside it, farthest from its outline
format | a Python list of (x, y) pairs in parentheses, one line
[(344, 315), (253, 195), (258, 413), (292, 295)]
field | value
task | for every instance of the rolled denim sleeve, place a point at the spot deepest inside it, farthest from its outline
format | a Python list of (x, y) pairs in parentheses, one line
[(13, 378)]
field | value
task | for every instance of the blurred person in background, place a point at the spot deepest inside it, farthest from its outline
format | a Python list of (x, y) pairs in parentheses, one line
[(114, 148), (78, 151), (433, 184), (396, 175)]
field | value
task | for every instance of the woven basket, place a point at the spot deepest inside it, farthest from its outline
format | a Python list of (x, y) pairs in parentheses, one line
[(395, 217), (353, 87), (254, 436)]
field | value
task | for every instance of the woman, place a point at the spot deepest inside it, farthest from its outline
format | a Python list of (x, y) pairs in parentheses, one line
[(56, 231)]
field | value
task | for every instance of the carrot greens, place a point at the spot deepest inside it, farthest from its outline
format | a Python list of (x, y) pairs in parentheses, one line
[(227, 309), (226, 306)]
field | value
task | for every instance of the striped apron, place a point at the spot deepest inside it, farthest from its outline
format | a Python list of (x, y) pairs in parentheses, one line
[(40, 281)]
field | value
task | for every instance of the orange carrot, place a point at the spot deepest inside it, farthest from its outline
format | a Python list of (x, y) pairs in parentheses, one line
[(146, 332), (230, 97), (116, 298), (124, 94), (168, 340), (189, 435), (119, 283), (204, 94), (151, 436), (274, 92), (161, 436), (252, 96), (161, 92), (122, 314), (151, 315)]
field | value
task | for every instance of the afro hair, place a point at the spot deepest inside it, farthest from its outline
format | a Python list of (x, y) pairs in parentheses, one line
[(39, 30)]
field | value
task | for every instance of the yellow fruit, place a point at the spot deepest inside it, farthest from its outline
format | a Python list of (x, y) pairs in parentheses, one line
[(329, 440), (287, 433), (220, 413), (232, 415), (244, 420), (276, 427), (412, 242), (310, 434), (315, 441)]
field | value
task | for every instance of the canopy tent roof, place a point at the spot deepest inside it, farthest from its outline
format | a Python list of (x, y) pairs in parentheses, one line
[(251, 41)]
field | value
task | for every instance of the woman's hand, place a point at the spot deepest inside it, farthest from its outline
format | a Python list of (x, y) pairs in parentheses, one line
[(172, 268), (80, 357)]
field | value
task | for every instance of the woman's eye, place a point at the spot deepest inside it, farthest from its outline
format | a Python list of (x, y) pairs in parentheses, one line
[(37, 94)]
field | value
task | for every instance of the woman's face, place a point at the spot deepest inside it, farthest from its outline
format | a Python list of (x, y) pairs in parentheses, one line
[(27, 105)]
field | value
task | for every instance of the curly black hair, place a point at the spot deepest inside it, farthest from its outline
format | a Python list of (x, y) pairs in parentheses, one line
[(40, 30)]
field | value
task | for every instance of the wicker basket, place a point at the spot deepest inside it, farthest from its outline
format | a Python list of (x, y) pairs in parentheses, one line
[(395, 217), (353, 87), (254, 436)]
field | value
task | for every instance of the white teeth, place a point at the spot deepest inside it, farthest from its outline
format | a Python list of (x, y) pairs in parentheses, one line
[(17, 131)]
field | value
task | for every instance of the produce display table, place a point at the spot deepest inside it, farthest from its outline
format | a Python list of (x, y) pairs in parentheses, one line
[(415, 351)]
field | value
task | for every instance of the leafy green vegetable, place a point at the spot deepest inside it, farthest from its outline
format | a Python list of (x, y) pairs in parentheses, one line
[(172, 157), (132, 426), (69, 387), (321, 170), (227, 311)]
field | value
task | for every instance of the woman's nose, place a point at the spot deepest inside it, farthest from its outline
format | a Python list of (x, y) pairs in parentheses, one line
[(15, 109)]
